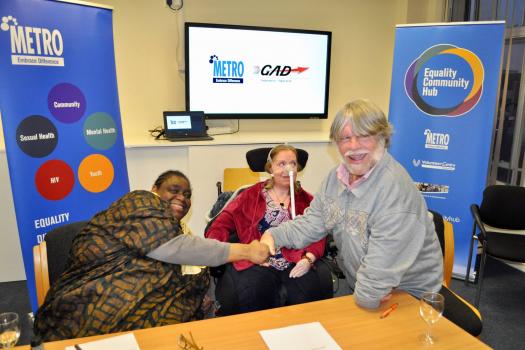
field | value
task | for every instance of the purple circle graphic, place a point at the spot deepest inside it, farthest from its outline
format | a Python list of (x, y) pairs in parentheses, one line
[(66, 103)]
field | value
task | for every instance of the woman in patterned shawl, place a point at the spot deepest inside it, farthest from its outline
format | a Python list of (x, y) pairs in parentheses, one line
[(125, 268)]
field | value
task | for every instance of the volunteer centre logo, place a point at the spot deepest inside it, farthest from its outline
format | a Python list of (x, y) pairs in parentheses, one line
[(445, 80), (33, 46)]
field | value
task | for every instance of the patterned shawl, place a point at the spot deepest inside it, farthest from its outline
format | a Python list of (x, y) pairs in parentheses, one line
[(111, 286)]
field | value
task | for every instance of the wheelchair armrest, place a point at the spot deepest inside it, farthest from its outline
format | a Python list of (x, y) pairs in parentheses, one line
[(334, 268), (217, 271)]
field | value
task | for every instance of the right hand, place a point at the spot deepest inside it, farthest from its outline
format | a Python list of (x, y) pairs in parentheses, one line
[(259, 252)]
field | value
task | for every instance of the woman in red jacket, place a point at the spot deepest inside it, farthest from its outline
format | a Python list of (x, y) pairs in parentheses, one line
[(263, 205)]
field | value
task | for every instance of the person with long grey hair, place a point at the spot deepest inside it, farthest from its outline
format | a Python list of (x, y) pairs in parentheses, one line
[(378, 218)]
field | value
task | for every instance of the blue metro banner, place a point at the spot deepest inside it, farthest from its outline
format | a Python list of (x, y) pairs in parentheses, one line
[(60, 116)]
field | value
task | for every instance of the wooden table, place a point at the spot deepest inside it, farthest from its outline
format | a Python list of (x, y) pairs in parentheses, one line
[(350, 326)]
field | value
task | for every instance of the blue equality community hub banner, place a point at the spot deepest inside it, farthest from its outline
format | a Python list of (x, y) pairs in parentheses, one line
[(442, 106), (60, 116)]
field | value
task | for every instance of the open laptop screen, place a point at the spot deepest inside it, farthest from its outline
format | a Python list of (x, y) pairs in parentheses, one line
[(184, 124)]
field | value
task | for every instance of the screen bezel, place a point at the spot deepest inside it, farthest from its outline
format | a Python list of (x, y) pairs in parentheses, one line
[(284, 116)]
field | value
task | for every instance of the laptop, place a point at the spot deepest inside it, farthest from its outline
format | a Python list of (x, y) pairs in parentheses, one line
[(185, 126)]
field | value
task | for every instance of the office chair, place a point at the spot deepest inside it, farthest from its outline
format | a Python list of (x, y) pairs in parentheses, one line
[(499, 228), (445, 233), (51, 255), (234, 178), (457, 309)]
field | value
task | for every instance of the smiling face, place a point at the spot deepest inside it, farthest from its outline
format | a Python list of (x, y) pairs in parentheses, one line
[(359, 153), (282, 163), (176, 190)]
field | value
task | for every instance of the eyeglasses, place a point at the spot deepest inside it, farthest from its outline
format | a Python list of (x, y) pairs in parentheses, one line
[(188, 344), (359, 139)]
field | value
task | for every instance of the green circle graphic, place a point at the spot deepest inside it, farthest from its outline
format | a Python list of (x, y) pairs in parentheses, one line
[(100, 131)]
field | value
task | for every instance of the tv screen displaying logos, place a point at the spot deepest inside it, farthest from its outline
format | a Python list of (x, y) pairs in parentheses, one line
[(256, 72)]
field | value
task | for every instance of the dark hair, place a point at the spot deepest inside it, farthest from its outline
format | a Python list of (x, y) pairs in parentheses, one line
[(167, 174)]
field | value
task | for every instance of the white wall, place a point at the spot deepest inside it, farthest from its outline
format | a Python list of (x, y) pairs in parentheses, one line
[(149, 51)]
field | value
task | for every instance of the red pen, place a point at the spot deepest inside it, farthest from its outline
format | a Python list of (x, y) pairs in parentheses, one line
[(389, 310)]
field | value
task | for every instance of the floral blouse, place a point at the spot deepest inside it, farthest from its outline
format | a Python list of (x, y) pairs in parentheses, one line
[(274, 215)]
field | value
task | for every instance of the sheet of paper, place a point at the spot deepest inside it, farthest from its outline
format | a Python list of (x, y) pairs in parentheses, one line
[(307, 336), (122, 342)]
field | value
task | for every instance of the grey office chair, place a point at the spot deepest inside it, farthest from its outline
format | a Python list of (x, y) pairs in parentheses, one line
[(499, 228)]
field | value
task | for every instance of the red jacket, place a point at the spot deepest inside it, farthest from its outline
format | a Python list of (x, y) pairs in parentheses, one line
[(242, 215)]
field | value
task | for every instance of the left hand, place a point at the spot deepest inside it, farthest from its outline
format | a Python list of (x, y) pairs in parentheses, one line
[(302, 267)]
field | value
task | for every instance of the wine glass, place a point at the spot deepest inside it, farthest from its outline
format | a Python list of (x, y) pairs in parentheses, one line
[(431, 308), (9, 330)]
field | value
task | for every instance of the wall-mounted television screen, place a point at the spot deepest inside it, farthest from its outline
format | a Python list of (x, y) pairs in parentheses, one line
[(243, 72)]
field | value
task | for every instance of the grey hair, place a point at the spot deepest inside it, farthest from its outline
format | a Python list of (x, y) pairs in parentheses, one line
[(365, 119)]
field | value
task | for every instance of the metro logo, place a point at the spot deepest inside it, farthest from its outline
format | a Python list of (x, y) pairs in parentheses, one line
[(436, 140), (227, 71), (33, 45), (24, 40)]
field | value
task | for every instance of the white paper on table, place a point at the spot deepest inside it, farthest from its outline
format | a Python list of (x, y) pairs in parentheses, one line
[(307, 336), (122, 342)]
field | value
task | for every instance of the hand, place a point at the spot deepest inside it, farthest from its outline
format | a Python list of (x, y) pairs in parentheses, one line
[(207, 304), (267, 239), (386, 297), (265, 264), (258, 253), (302, 267)]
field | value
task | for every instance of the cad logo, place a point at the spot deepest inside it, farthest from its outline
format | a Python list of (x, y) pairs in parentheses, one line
[(33, 46), (416, 162), (278, 70), (445, 80), (227, 71), (434, 140)]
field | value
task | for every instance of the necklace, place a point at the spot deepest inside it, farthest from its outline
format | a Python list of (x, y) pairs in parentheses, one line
[(281, 202)]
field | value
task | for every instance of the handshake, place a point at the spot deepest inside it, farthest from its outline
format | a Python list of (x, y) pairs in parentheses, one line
[(260, 251)]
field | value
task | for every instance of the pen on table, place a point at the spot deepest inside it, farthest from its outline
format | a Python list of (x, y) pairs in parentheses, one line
[(389, 310), (77, 347)]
